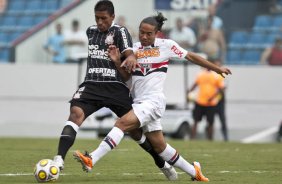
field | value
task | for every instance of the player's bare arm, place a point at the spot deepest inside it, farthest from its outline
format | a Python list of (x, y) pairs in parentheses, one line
[(115, 56), (196, 59), (130, 63)]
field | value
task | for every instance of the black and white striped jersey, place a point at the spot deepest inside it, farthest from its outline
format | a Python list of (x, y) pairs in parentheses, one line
[(99, 66)]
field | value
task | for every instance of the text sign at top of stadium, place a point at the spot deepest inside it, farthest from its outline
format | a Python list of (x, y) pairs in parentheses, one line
[(183, 4)]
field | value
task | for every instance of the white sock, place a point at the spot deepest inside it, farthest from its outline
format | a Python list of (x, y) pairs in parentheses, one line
[(73, 125), (167, 165), (110, 142), (173, 158)]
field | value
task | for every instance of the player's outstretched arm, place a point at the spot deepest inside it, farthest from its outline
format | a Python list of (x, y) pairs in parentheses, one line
[(196, 59)]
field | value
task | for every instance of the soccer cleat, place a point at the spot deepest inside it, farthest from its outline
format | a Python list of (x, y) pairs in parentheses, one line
[(169, 172), (58, 160), (199, 175), (84, 159)]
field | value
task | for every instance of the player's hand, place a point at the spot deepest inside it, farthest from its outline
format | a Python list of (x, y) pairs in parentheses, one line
[(224, 71), (130, 63), (114, 54)]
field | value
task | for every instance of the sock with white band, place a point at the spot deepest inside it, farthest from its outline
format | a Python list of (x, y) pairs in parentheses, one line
[(110, 142), (147, 146), (173, 158), (67, 138)]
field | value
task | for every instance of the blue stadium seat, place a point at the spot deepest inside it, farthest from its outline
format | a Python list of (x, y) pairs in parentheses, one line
[(233, 57), (14, 35), (50, 5), (274, 31), (270, 39), (16, 5), (26, 21), (20, 15), (33, 5), (39, 18), (4, 54), (3, 37), (256, 40), (9, 20), (238, 39), (251, 57), (263, 22), (277, 23)]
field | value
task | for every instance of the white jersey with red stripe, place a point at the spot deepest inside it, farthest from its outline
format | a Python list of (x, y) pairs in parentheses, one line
[(148, 80)]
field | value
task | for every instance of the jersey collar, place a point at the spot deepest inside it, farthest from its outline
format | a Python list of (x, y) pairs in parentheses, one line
[(113, 23)]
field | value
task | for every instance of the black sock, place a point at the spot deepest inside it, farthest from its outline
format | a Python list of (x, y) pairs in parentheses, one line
[(66, 140), (147, 146)]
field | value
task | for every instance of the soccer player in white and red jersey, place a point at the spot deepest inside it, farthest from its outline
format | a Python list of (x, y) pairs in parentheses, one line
[(153, 56)]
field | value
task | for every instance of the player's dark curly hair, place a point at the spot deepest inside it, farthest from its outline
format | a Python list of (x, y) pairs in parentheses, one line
[(157, 21), (105, 5)]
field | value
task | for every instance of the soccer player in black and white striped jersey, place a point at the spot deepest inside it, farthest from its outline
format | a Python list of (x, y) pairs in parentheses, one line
[(104, 84)]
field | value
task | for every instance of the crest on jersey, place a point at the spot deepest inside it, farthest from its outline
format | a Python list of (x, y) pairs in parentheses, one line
[(78, 92), (109, 39), (145, 68)]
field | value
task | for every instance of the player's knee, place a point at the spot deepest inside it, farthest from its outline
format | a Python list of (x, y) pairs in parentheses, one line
[(159, 147), (136, 134), (76, 115), (121, 124)]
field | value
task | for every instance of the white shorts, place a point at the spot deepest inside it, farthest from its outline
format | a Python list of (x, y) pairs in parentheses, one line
[(149, 113)]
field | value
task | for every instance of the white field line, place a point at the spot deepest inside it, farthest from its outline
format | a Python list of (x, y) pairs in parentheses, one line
[(141, 174), (260, 135)]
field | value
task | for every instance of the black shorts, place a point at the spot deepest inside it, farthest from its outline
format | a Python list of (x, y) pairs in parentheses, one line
[(92, 96), (200, 111)]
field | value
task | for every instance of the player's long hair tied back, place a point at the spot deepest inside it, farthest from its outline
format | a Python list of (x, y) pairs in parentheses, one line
[(157, 21)]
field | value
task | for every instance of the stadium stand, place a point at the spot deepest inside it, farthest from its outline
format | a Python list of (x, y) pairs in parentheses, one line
[(250, 57), (4, 54), (233, 57), (255, 40), (270, 39), (238, 39), (16, 6), (33, 5), (250, 44), (277, 23), (262, 22), (20, 16)]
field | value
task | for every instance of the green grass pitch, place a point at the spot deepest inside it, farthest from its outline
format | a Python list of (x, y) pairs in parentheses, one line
[(223, 163)]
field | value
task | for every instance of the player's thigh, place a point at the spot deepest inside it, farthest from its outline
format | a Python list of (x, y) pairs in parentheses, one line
[(120, 109), (147, 112), (152, 126), (120, 106), (80, 110), (128, 122)]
